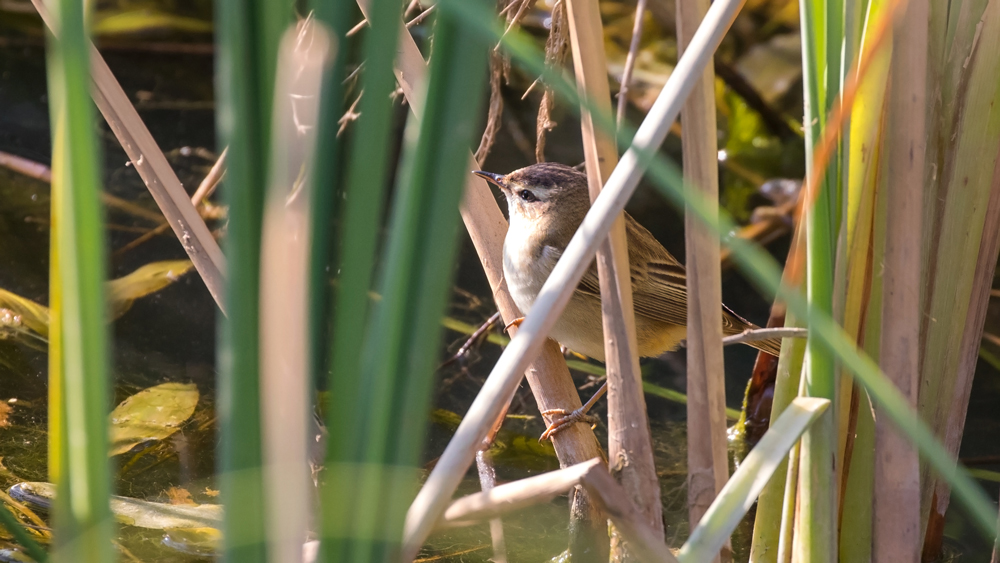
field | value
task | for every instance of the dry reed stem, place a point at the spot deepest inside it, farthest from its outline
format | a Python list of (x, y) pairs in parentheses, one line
[(516, 495), (630, 444), (499, 65), (759, 334), (633, 51), (896, 504), (708, 460), (540, 489), (205, 189), (155, 171), (211, 180), (547, 375), (26, 167), (488, 481), (555, 54), (420, 17)]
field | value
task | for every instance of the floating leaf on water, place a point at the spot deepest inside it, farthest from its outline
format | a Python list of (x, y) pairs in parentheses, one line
[(150, 278), (17, 311), (20, 315), (133, 512), (145, 20), (194, 541), (151, 414)]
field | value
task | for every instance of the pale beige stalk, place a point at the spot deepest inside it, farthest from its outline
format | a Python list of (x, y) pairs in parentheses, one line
[(708, 461), (629, 439), (285, 373), (896, 503)]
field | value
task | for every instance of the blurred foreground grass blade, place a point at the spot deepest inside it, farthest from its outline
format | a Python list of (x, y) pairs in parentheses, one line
[(327, 183), (247, 42), (285, 370), (762, 270), (368, 171), (83, 524), (741, 491), (402, 342)]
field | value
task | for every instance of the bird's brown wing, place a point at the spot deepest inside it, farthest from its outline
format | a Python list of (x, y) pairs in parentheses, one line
[(659, 285), (659, 288)]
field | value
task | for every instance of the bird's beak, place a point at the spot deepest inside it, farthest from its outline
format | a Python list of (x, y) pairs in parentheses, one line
[(497, 179)]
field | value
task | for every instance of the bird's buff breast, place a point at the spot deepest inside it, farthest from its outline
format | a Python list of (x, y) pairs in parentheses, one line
[(579, 326)]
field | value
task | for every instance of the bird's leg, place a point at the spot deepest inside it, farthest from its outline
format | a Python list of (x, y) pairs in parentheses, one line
[(513, 323), (567, 418)]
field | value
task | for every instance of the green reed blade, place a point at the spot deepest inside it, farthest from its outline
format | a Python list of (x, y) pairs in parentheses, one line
[(247, 38), (742, 489), (368, 172), (83, 523), (328, 182)]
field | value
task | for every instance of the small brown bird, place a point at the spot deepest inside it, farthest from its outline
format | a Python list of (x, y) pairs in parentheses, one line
[(546, 204)]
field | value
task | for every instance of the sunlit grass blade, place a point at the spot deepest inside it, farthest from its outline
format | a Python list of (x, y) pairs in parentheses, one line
[(246, 51), (83, 523), (742, 489)]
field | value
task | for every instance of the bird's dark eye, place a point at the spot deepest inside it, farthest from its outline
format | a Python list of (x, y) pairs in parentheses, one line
[(527, 196)]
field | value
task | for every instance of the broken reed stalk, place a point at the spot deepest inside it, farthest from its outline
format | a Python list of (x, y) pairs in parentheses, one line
[(556, 292), (708, 459), (592, 476), (896, 502), (630, 444), (548, 376), (155, 171)]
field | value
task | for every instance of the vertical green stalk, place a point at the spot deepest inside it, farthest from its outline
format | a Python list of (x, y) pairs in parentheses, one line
[(368, 172), (83, 522), (401, 347), (767, 522), (327, 183), (816, 539), (247, 39)]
